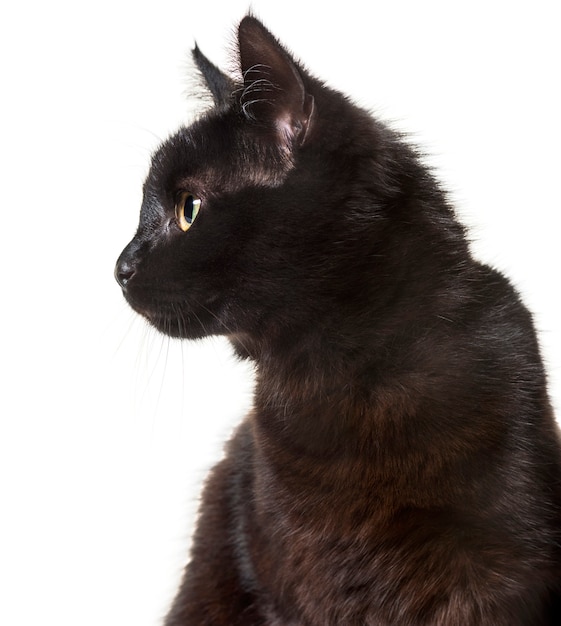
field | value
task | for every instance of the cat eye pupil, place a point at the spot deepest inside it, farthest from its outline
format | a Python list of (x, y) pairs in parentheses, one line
[(186, 210), (189, 209)]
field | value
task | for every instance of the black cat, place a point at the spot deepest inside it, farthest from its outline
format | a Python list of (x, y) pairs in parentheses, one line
[(401, 465)]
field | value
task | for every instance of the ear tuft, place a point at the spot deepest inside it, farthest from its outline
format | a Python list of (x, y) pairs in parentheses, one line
[(219, 84), (274, 94)]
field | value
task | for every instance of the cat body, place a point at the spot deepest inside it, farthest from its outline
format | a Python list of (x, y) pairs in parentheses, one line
[(401, 464)]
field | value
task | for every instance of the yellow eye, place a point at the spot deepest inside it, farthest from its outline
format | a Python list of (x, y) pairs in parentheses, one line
[(186, 210)]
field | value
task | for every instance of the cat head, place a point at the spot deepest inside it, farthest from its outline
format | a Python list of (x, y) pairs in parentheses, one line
[(275, 211)]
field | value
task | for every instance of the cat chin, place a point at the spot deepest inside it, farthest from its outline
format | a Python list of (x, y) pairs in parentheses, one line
[(171, 318), (177, 328), (193, 327), (180, 325)]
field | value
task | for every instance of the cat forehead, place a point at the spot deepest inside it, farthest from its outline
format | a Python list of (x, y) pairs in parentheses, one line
[(221, 153)]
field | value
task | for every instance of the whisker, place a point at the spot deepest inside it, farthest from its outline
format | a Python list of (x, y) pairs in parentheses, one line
[(227, 329), (124, 336), (162, 378)]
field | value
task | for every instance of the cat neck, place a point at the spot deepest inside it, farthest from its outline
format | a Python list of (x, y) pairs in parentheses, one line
[(316, 396), (346, 388)]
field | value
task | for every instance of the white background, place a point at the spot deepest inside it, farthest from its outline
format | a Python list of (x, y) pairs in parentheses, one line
[(107, 428)]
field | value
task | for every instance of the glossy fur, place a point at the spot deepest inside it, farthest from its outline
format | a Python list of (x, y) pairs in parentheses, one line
[(401, 465)]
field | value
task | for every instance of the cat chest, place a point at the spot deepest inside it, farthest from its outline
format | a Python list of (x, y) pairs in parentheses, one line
[(369, 559)]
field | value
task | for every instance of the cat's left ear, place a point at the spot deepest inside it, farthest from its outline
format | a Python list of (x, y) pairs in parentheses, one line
[(274, 93), (221, 86)]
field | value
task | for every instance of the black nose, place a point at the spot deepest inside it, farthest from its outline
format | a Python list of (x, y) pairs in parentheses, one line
[(124, 270), (123, 273), (127, 263)]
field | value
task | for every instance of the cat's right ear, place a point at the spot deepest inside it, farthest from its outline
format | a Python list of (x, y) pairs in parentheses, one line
[(220, 86), (274, 94)]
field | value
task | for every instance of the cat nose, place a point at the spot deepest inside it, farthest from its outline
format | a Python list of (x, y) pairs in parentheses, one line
[(123, 274), (124, 271)]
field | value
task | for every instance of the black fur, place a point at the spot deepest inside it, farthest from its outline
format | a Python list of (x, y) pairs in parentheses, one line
[(401, 465)]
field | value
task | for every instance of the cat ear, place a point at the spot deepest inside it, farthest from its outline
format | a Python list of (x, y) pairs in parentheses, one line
[(274, 94), (221, 86)]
